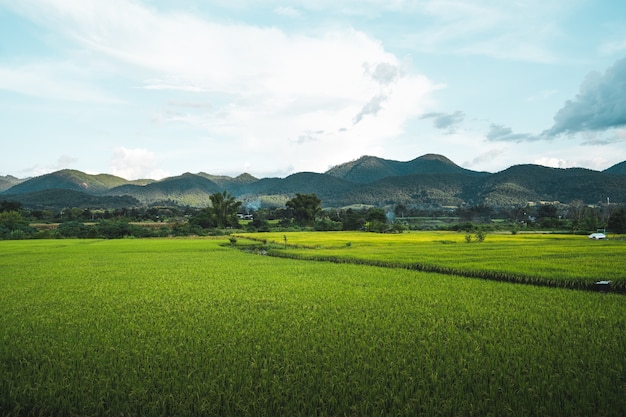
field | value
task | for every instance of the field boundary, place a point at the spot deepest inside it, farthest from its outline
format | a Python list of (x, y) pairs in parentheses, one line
[(499, 276)]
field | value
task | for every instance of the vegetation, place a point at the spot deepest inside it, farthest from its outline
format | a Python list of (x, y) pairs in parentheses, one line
[(543, 259), (617, 221), (427, 182), (303, 212), (192, 327), (305, 208), (222, 213)]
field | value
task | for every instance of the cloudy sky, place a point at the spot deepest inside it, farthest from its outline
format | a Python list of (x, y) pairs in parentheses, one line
[(154, 88)]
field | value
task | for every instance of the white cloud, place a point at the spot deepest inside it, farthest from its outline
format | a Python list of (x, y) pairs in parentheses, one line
[(268, 88), (484, 158), (135, 163), (287, 11), (63, 162), (518, 31), (53, 80), (554, 162), (613, 47)]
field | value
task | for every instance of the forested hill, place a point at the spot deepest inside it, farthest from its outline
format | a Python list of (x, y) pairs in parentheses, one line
[(368, 169), (617, 169), (428, 181)]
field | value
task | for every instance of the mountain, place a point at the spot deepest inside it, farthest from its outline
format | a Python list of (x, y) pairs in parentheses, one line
[(69, 179), (368, 169), (187, 189), (226, 182), (428, 181), (535, 182), (617, 169), (8, 181)]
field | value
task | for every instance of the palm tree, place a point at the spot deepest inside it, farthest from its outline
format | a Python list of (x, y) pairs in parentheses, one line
[(224, 209)]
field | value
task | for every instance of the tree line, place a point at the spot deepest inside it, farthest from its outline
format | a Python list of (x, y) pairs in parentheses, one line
[(303, 211)]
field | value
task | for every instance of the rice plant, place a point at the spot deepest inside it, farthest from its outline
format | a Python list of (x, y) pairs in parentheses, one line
[(193, 327), (541, 259)]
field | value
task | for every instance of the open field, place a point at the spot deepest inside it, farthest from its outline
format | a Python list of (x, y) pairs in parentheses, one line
[(192, 327), (550, 259)]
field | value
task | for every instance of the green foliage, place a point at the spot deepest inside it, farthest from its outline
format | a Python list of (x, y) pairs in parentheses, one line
[(224, 209), (305, 207), (73, 229), (13, 226), (353, 220), (617, 221), (188, 327), (326, 225), (259, 224), (376, 226), (221, 214), (6, 206), (376, 215)]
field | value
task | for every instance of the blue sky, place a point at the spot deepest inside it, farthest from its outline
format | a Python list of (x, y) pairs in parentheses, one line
[(154, 88)]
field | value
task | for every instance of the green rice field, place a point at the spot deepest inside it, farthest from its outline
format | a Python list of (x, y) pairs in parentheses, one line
[(194, 327), (546, 259)]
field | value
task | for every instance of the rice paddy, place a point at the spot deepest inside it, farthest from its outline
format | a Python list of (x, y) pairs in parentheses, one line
[(545, 259), (193, 327)]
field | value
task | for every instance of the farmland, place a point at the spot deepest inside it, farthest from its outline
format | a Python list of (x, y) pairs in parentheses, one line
[(193, 327), (568, 261)]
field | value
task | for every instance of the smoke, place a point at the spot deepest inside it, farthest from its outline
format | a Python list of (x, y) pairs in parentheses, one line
[(253, 205)]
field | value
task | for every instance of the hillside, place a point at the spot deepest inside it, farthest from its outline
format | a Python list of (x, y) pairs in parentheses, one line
[(227, 182), (369, 169), (428, 181), (9, 181), (69, 179), (187, 189), (617, 169), (58, 199), (535, 182)]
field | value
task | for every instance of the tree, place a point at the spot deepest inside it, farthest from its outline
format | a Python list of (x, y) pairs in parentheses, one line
[(221, 213), (305, 207), (224, 209), (376, 215), (400, 210), (353, 220), (617, 221), (259, 223), (6, 206)]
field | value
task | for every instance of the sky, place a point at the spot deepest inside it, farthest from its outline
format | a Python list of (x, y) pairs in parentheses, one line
[(155, 88)]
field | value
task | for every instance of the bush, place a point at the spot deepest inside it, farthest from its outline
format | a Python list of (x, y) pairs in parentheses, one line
[(72, 229), (326, 225)]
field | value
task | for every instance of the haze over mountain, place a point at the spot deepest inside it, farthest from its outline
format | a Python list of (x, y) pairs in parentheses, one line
[(427, 181)]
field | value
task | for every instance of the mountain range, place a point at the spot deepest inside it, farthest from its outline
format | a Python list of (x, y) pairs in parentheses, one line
[(427, 181)]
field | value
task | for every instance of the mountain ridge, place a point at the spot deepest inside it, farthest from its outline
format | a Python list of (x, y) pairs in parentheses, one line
[(430, 180)]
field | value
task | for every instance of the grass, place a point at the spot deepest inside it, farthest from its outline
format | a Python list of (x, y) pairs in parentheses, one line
[(544, 259), (192, 327)]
